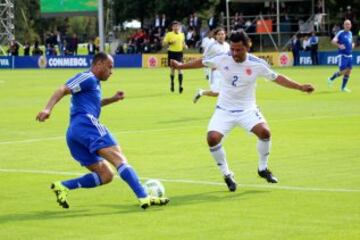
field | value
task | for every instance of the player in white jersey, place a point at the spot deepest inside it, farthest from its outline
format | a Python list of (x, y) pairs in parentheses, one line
[(219, 46), (236, 104), (205, 43)]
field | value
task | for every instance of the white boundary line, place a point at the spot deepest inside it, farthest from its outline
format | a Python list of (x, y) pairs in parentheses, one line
[(268, 186), (31, 140)]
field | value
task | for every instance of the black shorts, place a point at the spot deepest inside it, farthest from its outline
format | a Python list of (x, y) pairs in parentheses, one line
[(178, 56)]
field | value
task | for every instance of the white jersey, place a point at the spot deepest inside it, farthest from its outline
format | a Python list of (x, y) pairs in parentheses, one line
[(205, 43), (216, 48), (238, 88), (215, 77)]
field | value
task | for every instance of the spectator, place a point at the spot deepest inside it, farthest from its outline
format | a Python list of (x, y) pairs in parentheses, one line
[(164, 24), (26, 48), (191, 37), (295, 48), (314, 45), (97, 43), (91, 47), (120, 48), (13, 48), (74, 42), (306, 43), (157, 22), (36, 50), (196, 23), (212, 23), (59, 41), (50, 50)]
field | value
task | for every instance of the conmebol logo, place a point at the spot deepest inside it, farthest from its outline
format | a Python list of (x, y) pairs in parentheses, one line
[(67, 62)]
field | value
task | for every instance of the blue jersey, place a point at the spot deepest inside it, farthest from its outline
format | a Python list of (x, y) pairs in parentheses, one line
[(344, 38), (86, 95)]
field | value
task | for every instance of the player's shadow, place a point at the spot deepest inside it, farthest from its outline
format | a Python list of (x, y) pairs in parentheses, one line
[(182, 120), (327, 92), (214, 196), (69, 213)]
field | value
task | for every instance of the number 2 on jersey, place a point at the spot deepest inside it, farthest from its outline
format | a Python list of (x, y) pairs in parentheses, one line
[(235, 79)]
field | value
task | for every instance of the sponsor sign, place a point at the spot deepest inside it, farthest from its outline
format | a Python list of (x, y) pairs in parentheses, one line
[(6, 62), (161, 60)]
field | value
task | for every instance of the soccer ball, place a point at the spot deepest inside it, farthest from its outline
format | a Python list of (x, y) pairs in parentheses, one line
[(154, 188)]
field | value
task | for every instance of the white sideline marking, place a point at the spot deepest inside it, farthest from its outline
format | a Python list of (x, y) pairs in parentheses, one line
[(268, 186), (31, 140)]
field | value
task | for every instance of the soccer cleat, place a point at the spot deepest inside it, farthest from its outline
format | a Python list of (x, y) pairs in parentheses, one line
[(330, 82), (61, 193), (172, 88), (230, 182), (197, 96), (151, 201), (268, 176), (181, 89), (160, 201), (144, 202), (346, 90)]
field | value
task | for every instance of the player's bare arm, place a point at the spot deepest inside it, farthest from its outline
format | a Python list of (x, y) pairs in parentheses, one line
[(334, 41), (193, 64), (119, 95), (56, 97), (286, 82)]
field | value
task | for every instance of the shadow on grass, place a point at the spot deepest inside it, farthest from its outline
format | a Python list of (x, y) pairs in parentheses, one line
[(328, 92), (116, 209), (181, 120), (214, 196), (68, 214)]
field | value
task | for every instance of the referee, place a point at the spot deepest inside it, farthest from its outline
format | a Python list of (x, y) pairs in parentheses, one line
[(176, 42)]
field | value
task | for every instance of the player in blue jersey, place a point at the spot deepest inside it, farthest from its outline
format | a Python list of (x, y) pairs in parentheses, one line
[(343, 40), (89, 141)]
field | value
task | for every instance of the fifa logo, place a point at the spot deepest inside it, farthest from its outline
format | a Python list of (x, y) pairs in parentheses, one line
[(332, 60)]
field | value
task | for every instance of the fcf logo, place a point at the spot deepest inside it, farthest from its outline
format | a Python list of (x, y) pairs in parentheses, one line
[(152, 62), (248, 71), (284, 59)]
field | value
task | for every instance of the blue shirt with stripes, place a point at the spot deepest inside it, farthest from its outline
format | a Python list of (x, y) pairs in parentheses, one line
[(345, 38), (86, 95)]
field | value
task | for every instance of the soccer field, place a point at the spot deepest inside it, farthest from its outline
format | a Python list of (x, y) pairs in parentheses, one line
[(315, 154)]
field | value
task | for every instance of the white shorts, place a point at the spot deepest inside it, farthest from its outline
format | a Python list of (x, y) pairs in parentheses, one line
[(215, 80), (224, 121)]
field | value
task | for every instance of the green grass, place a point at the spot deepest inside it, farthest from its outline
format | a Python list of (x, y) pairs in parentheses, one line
[(315, 147)]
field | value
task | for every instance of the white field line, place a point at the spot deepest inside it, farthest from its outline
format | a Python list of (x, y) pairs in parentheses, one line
[(189, 181), (31, 140)]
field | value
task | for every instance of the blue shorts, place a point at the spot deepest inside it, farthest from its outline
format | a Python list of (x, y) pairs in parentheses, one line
[(345, 62), (85, 136)]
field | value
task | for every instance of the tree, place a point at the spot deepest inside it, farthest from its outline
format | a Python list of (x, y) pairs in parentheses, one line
[(145, 9)]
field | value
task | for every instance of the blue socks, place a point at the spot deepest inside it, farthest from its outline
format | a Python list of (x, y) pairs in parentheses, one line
[(129, 176), (92, 180), (89, 180), (345, 81), (335, 75)]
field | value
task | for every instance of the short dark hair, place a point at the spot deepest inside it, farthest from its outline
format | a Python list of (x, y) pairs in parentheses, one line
[(218, 29), (99, 57), (174, 22), (240, 36)]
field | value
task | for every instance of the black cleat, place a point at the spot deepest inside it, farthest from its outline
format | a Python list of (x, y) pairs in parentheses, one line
[(270, 178), (172, 88), (181, 89), (230, 182)]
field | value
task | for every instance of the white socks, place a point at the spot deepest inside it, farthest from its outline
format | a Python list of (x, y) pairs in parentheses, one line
[(219, 155), (263, 147)]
